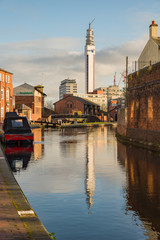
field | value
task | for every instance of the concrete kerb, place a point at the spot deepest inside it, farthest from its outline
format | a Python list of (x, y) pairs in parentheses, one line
[(34, 227)]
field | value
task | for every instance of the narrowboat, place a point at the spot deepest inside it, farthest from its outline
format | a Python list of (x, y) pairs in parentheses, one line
[(17, 130)]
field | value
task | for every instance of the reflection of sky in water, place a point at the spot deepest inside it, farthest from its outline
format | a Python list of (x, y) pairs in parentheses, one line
[(78, 188)]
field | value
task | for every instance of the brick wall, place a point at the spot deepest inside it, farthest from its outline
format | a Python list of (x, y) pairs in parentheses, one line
[(6, 93), (68, 105), (144, 104), (34, 103), (27, 100), (122, 121)]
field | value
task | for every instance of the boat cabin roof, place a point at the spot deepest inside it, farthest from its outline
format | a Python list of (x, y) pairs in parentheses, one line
[(14, 123)]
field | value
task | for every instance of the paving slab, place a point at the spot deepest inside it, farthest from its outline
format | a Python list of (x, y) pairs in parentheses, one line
[(18, 221)]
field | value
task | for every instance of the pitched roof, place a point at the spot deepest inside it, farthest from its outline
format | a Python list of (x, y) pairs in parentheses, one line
[(22, 106), (84, 101), (24, 88), (1, 69), (27, 90), (157, 40), (38, 88)]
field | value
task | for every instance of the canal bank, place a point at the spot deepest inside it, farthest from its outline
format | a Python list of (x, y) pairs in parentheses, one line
[(18, 219), (84, 125)]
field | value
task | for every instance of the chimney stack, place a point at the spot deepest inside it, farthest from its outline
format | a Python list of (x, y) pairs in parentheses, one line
[(153, 30)]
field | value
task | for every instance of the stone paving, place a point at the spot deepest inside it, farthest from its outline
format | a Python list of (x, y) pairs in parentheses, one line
[(13, 203)]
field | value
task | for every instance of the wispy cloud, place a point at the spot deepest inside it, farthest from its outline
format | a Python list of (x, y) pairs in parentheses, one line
[(49, 61)]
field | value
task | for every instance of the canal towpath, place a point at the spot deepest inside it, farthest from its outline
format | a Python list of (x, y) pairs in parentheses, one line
[(17, 218)]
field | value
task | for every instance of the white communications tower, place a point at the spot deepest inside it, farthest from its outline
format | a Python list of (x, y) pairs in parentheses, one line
[(90, 60)]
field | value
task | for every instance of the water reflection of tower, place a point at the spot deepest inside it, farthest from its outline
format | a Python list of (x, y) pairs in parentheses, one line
[(90, 170)]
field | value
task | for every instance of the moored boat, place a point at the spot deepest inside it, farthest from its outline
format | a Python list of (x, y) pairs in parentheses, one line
[(17, 130)]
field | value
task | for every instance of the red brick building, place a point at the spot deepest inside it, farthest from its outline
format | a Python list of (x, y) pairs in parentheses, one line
[(6, 94), (71, 104), (29, 101), (112, 109), (143, 104), (140, 121)]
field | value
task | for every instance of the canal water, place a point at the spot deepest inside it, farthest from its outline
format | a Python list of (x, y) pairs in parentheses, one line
[(84, 185)]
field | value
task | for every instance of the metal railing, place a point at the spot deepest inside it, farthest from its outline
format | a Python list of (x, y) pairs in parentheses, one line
[(137, 65)]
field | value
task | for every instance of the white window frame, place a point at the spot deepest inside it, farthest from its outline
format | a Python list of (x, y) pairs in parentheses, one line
[(8, 79), (3, 77)]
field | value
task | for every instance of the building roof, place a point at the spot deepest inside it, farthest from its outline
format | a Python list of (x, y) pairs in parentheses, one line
[(156, 40), (68, 80), (22, 106), (26, 89), (1, 69), (84, 101), (38, 88)]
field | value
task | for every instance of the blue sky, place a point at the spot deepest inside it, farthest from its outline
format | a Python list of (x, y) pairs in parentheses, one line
[(42, 41)]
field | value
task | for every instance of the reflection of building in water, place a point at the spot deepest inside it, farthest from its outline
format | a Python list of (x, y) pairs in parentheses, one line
[(38, 146), (90, 170), (68, 147), (143, 186)]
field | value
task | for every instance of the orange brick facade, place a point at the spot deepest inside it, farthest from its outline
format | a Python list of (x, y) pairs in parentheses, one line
[(6, 93), (32, 98), (144, 104)]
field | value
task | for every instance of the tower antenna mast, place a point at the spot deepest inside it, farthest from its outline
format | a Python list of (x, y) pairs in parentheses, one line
[(91, 22)]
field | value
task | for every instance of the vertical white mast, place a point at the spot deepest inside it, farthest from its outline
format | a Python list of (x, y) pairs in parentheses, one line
[(90, 60)]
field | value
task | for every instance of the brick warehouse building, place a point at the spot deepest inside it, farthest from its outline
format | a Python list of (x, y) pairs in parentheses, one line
[(143, 116), (29, 101), (6, 97), (71, 104)]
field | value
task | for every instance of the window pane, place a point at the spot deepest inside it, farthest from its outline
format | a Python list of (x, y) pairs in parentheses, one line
[(17, 123)]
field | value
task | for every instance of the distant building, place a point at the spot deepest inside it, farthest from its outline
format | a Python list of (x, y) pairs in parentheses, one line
[(90, 61), (113, 106), (151, 51), (72, 104), (97, 97), (114, 92), (29, 101), (104, 89), (6, 97), (67, 86)]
